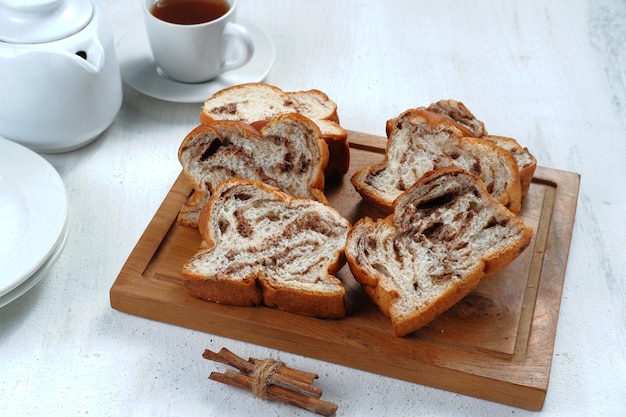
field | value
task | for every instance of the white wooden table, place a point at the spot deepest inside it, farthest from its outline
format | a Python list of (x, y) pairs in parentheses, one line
[(551, 74)]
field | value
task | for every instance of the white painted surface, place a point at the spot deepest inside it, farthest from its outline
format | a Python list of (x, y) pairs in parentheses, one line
[(551, 74)]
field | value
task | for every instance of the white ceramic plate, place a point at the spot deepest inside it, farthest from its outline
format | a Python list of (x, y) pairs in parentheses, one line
[(37, 275), (33, 213), (140, 72)]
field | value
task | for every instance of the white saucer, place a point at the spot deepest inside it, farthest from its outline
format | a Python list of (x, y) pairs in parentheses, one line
[(37, 275), (33, 213), (140, 72)]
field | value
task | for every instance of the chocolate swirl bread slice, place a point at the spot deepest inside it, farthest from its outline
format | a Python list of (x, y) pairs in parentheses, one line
[(263, 246), (287, 153), (420, 141), (446, 234), (472, 127), (256, 103)]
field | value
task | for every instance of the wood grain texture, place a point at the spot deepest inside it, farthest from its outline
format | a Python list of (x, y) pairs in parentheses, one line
[(496, 344)]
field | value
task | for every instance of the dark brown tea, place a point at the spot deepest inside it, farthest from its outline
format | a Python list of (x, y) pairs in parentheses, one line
[(189, 12)]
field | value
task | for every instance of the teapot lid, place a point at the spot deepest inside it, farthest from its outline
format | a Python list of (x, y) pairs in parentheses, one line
[(38, 21)]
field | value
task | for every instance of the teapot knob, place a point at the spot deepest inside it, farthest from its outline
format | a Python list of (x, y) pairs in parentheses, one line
[(31, 6), (38, 21)]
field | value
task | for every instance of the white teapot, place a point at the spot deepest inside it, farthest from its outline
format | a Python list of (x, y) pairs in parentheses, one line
[(60, 84)]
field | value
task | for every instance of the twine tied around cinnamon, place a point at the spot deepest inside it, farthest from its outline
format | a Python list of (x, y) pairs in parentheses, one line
[(262, 376)]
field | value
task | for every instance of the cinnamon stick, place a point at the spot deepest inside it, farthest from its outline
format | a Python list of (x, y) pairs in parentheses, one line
[(227, 357), (276, 393), (283, 384), (296, 386), (292, 379)]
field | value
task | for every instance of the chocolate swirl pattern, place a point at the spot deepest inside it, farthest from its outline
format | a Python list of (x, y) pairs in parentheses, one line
[(445, 235), (288, 153), (470, 126), (263, 246), (421, 141), (256, 103)]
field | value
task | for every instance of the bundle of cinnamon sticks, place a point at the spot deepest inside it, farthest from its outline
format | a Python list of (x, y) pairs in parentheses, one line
[(271, 380)]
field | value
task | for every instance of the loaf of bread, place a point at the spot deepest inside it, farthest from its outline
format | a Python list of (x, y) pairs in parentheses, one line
[(420, 141), (446, 233), (262, 246), (287, 153), (472, 127), (256, 103)]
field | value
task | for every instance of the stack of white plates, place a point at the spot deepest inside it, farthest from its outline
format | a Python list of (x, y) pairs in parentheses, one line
[(33, 219)]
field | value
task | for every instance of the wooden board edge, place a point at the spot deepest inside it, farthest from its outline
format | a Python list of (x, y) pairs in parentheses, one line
[(414, 370), (552, 280)]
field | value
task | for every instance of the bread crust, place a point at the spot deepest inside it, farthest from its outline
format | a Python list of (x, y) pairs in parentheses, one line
[(245, 293), (419, 261), (256, 103), (526, 162), (461, 115), (319, 294)]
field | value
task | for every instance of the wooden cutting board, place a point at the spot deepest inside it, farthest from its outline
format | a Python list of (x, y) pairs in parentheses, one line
[(496, 344)]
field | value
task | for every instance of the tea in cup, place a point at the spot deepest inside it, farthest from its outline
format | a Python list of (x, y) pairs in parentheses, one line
[(192, 41)]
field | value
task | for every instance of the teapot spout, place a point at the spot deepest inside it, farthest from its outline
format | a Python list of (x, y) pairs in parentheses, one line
[(91, 57)]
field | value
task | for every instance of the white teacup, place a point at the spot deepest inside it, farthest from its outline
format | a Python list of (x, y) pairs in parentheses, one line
[(195, 53)]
